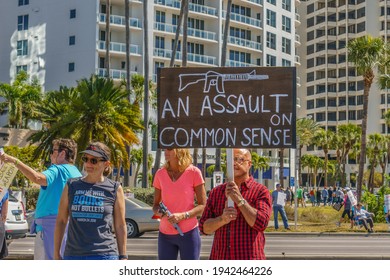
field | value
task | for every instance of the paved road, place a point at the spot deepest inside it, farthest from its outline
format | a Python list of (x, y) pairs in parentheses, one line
[(278, 246)]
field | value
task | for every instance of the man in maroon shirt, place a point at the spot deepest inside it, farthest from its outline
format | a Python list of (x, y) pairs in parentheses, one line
[(239, 230)]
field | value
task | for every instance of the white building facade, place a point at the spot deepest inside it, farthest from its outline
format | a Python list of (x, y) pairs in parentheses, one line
[(60, 42)]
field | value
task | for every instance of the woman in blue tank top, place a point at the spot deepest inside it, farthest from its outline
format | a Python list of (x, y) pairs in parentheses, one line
[(95, 206)]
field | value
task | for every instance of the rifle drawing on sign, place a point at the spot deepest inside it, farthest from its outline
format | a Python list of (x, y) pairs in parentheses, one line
[(217, 80)]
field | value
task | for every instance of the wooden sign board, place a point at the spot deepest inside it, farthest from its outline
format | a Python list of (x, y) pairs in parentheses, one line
[(244, 107)]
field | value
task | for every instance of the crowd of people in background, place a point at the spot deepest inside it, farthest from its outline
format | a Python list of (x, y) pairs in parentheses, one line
[(317, 196)]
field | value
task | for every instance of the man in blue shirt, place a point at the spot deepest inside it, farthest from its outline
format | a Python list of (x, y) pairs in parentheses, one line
[(278, 206), (52, 181)]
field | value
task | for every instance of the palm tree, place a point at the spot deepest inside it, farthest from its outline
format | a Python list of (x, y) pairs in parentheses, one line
[(323, 138), (136, 159), (306, 128), (376, 147), (95, 110), (314, 164), (347, 136), (21, 98), (366, 53), (259, 162)]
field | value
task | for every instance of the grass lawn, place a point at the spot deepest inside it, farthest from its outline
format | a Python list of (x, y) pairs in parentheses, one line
[(320, 219)]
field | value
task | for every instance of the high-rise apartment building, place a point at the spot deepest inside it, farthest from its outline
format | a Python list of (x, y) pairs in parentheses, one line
[(332, 90), (60, 42)]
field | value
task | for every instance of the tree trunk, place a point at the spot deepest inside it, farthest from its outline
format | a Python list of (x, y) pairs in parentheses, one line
[(281, 166), (107, 60), (171, 64), (126, 178), (145, 144), (204, 157), (363, 141), (223, 64)]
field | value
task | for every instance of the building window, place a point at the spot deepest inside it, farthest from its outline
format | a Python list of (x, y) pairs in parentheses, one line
[(23, 22), (241, 10), (159, 42), (286, 4), (273, 2), (286, 45), (271, 18), (72, 40), (271, 40), (286, 63), (23, 2), (286, 24), (271, 60), (342, 116), (22, 47), (160, 17), (71, 67), (21, 68), (240, 56), (72, 13)]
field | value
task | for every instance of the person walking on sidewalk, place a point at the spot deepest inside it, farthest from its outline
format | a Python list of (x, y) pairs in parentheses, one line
[(52, 181), (278, 202), (347, 209), (239, 230)]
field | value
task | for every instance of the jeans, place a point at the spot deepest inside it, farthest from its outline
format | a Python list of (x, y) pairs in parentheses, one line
[(277, 209)]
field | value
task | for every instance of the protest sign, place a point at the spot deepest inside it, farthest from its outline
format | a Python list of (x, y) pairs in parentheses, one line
[(226, 107)]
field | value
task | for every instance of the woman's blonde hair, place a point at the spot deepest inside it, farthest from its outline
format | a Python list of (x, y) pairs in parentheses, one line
[(184, 159)]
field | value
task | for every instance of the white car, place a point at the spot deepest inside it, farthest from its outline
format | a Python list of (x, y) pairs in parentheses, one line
[(16, 224)]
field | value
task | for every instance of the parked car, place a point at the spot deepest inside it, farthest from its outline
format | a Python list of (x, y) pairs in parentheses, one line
[(16, 224), (139, 218)]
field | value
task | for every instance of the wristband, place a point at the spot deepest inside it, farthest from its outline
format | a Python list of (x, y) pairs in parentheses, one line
[(16, 162), (123, 257)]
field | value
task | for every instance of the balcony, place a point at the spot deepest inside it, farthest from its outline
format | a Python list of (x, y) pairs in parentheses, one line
[(243, 19), (297, 40), (192, 7), (120, 47), (114, 73), (170, 28), (297, 19), (119, 20), (234, 63), (197, 58), (258, 2), (244, 43)]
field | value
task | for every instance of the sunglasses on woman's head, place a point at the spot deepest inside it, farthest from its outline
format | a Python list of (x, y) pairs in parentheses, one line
[(91, 160)]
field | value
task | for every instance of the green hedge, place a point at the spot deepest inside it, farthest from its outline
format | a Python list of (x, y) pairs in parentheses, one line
[(144, 194)]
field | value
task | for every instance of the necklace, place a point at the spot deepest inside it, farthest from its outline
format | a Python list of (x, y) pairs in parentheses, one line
[(174, 175)]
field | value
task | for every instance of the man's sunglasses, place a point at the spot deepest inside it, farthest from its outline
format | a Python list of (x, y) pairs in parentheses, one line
[(91, 160)]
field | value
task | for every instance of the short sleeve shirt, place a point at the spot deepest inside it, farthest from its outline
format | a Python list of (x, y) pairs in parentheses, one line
[(50, 195), (178, 196)]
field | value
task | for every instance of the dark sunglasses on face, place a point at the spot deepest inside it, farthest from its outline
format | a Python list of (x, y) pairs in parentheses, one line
[(91, 160)]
